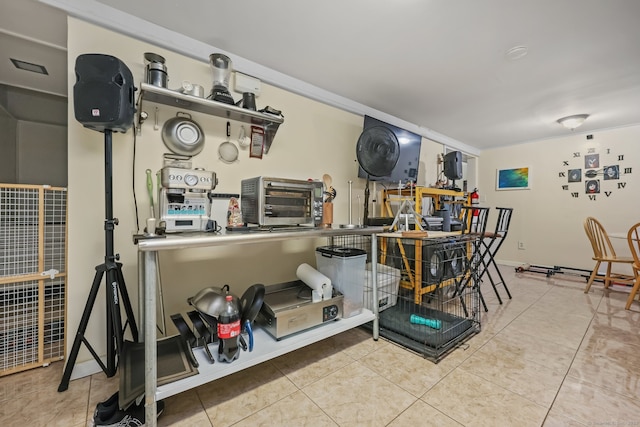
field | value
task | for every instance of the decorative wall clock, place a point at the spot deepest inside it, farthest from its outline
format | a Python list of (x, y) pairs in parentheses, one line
[(594, 174)]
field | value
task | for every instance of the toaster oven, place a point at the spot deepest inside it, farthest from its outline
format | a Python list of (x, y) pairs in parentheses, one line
[(281, 202)]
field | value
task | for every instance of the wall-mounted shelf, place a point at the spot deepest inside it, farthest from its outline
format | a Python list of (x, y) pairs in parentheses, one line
[(160, 95)]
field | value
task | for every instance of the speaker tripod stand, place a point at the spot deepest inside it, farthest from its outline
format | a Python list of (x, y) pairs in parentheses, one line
[(116, 290)]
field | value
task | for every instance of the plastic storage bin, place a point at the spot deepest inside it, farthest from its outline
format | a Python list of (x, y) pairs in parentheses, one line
[(346, 269), (388, 286)]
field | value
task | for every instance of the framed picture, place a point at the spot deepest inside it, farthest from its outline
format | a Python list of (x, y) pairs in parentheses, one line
[(513, 179)]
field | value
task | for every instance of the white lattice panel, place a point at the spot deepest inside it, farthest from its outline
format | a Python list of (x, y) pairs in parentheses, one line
[(33, 228), (19, 221), (18, 324), (55, 229)]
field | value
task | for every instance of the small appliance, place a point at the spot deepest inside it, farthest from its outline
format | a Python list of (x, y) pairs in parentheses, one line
[(281, 202), (288, 309), (221, 68), (184, 198), (156, 70)]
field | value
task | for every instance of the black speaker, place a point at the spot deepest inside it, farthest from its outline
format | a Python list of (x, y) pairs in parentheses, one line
[(453, 165), (434, 266), (457, 261), (104, 93), (434, 260)]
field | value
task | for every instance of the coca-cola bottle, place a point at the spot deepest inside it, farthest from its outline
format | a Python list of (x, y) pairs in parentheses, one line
[(229, 331)]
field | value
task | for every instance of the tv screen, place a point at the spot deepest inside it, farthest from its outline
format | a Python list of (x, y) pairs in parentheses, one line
[(407, 167)]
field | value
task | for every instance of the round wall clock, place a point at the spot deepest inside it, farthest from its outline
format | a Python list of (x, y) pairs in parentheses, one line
[(594, 174)]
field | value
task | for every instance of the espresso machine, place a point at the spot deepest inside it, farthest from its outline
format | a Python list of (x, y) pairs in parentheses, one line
[(184, 198)]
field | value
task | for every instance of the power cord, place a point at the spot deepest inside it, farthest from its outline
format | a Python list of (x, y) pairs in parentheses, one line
[(133, 180)]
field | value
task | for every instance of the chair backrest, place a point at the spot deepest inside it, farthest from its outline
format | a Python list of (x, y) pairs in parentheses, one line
[(633, 237), (599, 239), (472, 223), (504, 219)]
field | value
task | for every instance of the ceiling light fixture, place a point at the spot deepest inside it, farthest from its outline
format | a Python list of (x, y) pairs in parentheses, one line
[(572, 122), (28, 66)]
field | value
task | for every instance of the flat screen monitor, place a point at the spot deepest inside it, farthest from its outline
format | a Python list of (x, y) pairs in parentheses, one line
[(407, 167)]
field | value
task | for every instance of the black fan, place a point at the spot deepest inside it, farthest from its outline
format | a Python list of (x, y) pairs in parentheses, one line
[(377, 151)]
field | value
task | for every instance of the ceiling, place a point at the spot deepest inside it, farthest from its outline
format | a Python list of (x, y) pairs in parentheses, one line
[(37, 34), (439, 65)]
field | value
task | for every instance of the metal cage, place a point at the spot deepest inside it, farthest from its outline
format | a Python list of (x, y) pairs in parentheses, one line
[(427, 293)]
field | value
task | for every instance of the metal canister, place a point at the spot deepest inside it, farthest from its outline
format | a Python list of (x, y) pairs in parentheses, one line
[(156, 70)]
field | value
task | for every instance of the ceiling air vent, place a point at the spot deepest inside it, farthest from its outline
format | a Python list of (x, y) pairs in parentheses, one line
[(28, 66)]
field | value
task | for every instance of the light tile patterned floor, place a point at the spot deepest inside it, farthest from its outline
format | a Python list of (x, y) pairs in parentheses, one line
[(551, 356)]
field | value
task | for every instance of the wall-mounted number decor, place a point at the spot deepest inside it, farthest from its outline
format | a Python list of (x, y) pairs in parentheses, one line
[(594, 174), (513, 179)]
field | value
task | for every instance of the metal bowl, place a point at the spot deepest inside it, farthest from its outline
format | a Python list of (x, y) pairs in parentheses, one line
[(182, 135), (211, 301)]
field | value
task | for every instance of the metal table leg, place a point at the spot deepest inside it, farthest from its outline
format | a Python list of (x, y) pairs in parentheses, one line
[(150, 346)]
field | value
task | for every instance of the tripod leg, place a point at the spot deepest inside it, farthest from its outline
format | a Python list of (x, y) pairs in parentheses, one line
[(127, 304), (113, 301), (79, 339)]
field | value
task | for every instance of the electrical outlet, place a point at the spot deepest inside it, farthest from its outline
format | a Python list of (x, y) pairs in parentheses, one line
[(521, 245)]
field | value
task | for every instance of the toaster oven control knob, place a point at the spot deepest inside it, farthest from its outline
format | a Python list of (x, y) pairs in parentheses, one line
[(190, 180)]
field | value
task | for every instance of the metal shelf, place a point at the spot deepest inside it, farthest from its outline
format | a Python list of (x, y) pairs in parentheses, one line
[(266, 348), (164, 96)]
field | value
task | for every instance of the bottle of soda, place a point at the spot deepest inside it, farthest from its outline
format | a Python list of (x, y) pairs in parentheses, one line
[(229, 331)]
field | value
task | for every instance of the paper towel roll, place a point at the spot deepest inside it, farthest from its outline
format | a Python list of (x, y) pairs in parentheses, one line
[(312, 277)]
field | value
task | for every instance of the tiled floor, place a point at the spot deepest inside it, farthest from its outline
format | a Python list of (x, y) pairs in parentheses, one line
[(551, 356)]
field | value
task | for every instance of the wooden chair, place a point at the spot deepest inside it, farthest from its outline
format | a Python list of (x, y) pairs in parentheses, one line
[(633, 237), (603, 252)]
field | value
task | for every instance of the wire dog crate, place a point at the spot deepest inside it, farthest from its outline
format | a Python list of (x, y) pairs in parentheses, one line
[(427, 295), (33, 255), (427, 292)]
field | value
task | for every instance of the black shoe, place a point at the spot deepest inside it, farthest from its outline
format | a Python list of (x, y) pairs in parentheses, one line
[(107, 407), (133, 416)]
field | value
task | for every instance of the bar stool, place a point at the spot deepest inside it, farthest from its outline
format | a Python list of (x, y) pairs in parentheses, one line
[(490, 244), (474, 223)]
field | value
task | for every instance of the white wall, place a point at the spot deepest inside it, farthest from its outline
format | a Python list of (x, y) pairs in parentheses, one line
[(314, 139), (547, 219), (41, 154), (8, 126)]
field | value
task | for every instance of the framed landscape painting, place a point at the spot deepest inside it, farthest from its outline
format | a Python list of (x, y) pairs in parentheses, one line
[(513, 179)]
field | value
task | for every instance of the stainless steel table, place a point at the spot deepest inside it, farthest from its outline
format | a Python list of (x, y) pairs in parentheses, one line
[(269, 348)]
